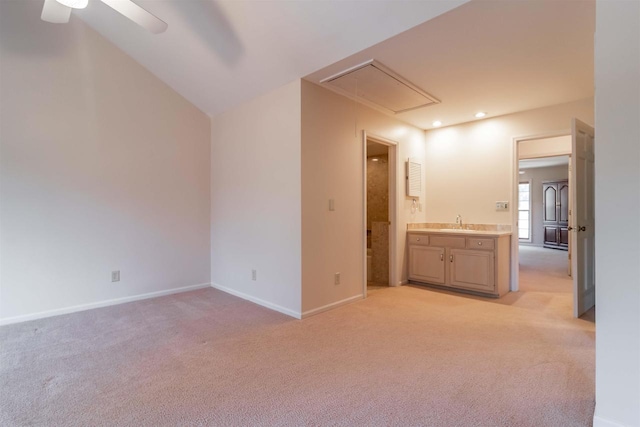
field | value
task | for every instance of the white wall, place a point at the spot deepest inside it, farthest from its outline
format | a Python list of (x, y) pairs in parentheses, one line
[(470, 166), (617, 171), (537, 177), (102, 167), (256, 200), (332, 168)]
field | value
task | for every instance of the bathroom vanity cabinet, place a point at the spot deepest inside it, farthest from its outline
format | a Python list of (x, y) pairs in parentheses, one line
[(465, 260)]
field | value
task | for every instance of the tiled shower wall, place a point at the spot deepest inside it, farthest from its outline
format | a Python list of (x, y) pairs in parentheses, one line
[(377, 189)]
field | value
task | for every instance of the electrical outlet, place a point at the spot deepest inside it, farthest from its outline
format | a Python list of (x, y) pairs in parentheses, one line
[(115, 276), (336, 278), (254, 275)]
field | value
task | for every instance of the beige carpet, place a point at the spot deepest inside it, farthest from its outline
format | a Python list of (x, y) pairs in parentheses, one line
[(406, 356), (373, 287)]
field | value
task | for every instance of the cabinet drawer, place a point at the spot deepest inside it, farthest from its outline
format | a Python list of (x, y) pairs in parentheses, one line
[(452, 242), (479, 243), (418, 239)]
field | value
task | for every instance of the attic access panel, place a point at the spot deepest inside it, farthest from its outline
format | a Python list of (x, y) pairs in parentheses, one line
[(375, 84)]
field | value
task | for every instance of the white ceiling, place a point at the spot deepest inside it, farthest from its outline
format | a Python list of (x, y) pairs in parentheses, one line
[(494, 56), (218, 54), (544, 162)]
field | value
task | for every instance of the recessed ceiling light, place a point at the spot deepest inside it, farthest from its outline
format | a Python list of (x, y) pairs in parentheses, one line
[(437, 123), (374, 160), (480, 114)]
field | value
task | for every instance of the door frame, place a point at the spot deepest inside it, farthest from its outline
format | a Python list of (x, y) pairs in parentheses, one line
[(393, 205), (515, 180)]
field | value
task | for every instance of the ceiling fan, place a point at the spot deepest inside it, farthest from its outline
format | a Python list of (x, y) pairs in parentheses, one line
[(59, 11)]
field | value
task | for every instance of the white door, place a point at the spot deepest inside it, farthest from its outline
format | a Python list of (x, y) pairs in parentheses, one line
[(582, 226)]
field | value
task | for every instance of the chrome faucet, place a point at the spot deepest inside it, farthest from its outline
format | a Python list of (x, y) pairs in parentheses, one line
[(459, 220)]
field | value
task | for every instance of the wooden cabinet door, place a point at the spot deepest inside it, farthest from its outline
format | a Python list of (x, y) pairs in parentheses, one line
[(563, 203), (549, 197), (551, 235), (473, 270), (426, 264), (563, 234), (555, 211)]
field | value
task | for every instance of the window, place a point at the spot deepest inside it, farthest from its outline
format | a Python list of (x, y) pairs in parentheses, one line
[(524, 211)]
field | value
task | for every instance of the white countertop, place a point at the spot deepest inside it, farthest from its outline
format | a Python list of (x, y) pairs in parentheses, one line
[(452, 231)]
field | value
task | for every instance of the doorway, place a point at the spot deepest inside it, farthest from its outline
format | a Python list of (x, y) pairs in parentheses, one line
[(543, 212), (554, 200), (543, 221), (543, 202), (379, 213)]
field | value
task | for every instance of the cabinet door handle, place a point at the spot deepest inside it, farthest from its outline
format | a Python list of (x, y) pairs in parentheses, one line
[(450, 258), (418, 239), (479, 243), (441, 257)]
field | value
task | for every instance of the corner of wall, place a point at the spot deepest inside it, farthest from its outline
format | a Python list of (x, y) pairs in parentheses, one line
[(332, 169), (256, 200)]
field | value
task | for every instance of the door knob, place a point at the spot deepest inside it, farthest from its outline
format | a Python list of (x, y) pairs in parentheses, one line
[(569, 228)]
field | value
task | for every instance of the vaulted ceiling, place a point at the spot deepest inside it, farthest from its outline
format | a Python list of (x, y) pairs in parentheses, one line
[(498, 57), (218, 54)]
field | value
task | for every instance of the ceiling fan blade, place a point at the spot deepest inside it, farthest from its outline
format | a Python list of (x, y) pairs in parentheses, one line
[(54, 12), (138, 15)]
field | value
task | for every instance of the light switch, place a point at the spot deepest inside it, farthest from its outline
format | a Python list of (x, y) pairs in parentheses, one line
[(502, 206)]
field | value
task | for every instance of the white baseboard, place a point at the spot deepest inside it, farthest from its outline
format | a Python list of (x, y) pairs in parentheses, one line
[(331, 306), (602, 422), (106, 303), (267, 304)]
